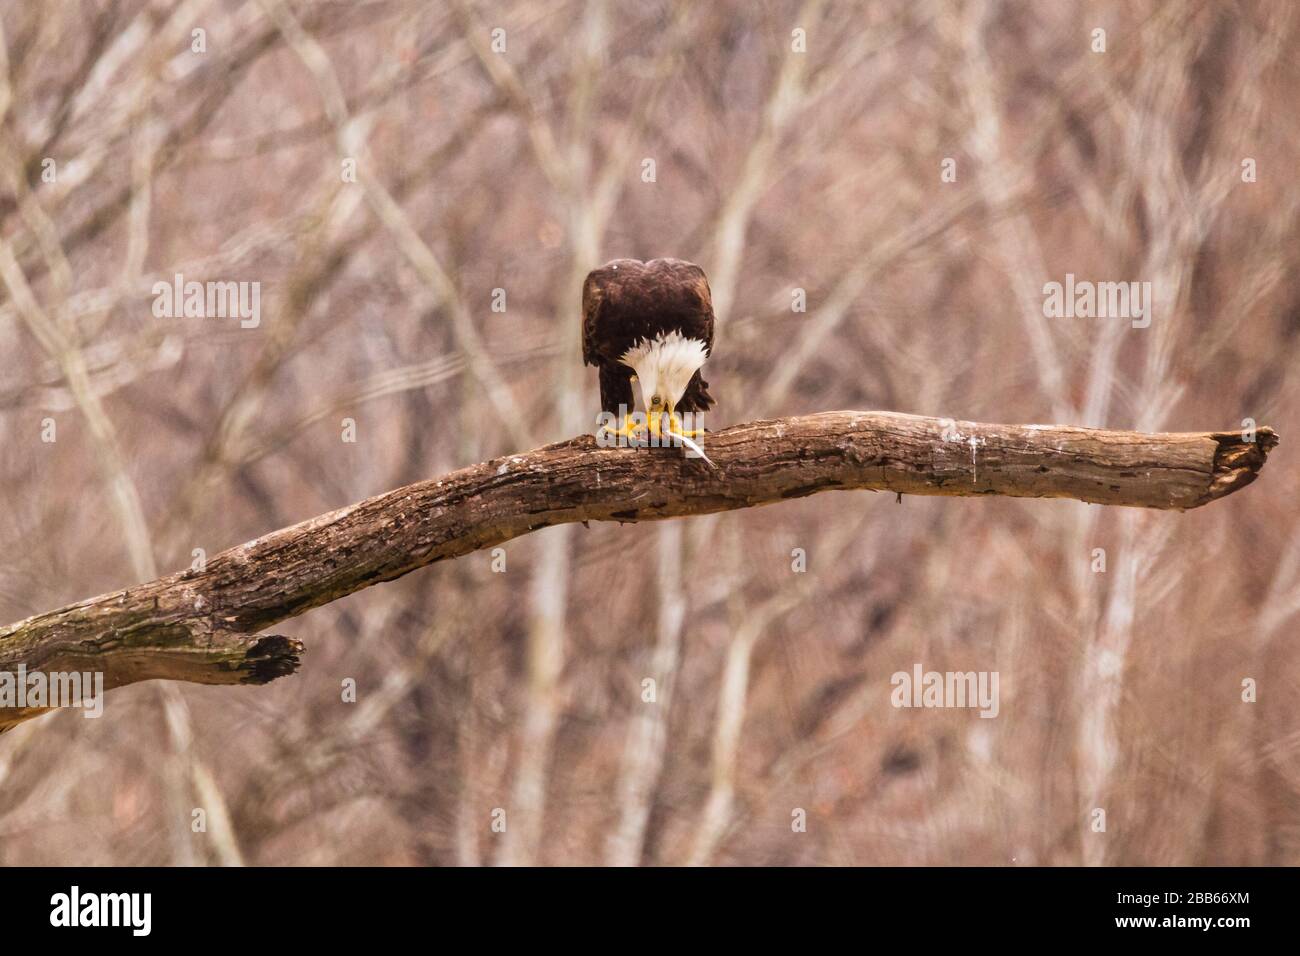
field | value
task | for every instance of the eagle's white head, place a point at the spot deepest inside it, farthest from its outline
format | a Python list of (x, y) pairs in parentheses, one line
[(664, 366)]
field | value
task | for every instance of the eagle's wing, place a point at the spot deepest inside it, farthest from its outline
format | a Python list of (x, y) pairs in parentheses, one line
[(592, 296), (694, 281), (706, 306)]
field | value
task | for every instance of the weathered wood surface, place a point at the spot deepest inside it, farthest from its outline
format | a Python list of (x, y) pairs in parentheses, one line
[(202, 626)]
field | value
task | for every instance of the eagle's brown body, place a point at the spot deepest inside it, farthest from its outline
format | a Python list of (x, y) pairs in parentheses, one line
[(628, 301)]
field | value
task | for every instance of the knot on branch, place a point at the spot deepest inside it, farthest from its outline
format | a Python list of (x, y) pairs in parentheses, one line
[(1237, 461), (270, 657)]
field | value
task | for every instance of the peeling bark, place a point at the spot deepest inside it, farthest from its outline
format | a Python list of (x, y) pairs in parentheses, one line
[(201, 626)]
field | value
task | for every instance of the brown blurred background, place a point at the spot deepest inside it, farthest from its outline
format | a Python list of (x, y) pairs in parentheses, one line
[(522, 691)]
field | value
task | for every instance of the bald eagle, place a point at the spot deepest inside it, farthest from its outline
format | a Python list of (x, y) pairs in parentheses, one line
[(652, 323)]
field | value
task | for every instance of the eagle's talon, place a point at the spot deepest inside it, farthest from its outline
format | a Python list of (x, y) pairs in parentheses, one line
[(675, 427), (630, 429)]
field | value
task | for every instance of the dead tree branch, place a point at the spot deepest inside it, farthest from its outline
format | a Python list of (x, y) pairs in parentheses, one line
[(202, 626)]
